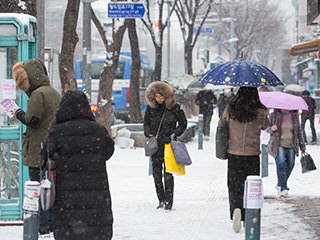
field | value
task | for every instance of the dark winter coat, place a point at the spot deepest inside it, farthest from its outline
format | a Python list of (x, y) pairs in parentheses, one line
[(31, 77), (205, 99), (309, 114), (174, 120), (80, 147), (274, 141)]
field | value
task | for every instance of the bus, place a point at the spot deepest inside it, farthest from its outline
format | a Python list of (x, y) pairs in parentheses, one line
[(121, 83)]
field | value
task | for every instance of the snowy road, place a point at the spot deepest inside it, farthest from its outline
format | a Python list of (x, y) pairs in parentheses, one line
[(200, 210)]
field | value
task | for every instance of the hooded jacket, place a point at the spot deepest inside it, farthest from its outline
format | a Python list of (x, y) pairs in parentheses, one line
[(80, 147), (174, 119), (31, 77)]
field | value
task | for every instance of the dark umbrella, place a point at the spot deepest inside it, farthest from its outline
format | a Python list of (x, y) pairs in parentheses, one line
[(241, 73)]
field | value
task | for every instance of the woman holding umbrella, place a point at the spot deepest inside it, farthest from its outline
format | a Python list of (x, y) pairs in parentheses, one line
[(246, 116), (285, 139)]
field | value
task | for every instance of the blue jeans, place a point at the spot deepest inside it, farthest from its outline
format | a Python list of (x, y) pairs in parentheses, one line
[(285, 163), (313, 131)]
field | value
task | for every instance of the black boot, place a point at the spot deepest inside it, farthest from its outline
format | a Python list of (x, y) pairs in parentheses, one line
[(168, 206), (161, 205)]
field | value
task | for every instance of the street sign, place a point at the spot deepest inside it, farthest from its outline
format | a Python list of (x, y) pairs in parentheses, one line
[(126, 10), (207, 30)]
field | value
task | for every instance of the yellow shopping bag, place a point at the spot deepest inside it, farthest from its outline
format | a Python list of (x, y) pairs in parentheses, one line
[(170, 162)]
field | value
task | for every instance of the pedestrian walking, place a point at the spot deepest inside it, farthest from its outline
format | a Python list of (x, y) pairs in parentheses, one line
[(223, 99), (205, 99), (308, 115), (80, 147), (162, 104), (246, 117), (32, 78), (285, 141)]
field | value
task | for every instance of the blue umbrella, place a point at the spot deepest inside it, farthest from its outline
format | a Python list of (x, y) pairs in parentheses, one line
[(241, 73)]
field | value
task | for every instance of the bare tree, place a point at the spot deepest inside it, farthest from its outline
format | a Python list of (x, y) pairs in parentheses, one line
[(188, 12), (113, 47), (259, 27), (69, 41), (134, 98), (16, 6), (157, 32)]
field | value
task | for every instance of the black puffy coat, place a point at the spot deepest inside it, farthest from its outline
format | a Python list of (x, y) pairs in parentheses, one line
[(174, 120), (80, 147)]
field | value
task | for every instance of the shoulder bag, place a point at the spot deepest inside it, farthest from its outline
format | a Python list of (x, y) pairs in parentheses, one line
[(151, 144)]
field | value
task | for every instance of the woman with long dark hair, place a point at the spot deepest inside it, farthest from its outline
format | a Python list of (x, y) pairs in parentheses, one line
[(246, 116)]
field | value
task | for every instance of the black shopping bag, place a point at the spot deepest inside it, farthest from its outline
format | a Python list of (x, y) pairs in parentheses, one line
[(307, 163)]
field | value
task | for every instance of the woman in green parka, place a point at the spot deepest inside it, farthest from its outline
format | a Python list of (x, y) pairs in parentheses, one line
[(32, 78)]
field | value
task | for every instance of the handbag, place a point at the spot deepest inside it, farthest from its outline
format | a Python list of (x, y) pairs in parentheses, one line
[(170, 163), (151, 144), (47, 184), (307, 163), (222, 140), (180, 152)]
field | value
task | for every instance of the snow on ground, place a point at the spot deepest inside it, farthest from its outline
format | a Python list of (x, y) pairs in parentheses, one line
[(200, 210)]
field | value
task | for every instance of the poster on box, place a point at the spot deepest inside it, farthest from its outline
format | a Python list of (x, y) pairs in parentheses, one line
[(253, 195), (9, 89)]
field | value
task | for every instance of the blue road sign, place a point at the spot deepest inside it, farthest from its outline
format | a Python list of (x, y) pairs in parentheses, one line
[(126, 10), (207, 30)]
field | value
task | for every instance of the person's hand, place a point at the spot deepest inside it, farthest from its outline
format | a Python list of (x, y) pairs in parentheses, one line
[(14, 111), (274, 128)]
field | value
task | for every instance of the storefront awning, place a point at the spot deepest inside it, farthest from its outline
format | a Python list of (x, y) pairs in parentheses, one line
[(304, 48)]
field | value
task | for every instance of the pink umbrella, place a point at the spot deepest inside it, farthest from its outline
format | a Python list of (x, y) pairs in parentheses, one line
[(281, 100)]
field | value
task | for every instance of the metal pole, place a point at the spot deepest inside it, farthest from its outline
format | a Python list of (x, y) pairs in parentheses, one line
[(200, 131), (30, 210), (232, 32), (264, 160), (168, 40), (253, 202), (220, 23), (41, 28), (86, 51)]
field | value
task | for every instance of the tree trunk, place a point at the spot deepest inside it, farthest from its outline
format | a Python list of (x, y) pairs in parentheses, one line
[(134, 94), (158, 64), (103, 114), (69, 42), (188, 58), (30, 7)]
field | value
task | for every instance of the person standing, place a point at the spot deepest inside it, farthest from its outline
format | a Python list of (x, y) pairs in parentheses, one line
[(162, 104), (285, 140), (32, 78), (246, 117), (80, 147), (205, 99), (308, 115)]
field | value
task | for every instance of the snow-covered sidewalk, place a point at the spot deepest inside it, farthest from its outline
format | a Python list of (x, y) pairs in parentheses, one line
[(200, 209)]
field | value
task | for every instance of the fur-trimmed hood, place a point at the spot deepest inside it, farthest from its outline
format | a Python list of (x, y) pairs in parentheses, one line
[(165, 90), (30, 75)]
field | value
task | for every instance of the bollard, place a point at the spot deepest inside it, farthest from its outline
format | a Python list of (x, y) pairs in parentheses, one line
[(30, 210), (264, 161), (200, 131), (253, 202)]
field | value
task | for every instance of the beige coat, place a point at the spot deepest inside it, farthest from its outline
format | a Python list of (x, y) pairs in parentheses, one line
[(244, 137)]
